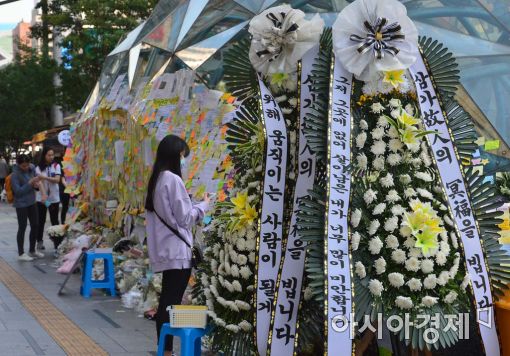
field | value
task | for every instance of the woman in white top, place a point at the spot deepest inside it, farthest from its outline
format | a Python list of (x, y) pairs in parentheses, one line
[(48, 197)]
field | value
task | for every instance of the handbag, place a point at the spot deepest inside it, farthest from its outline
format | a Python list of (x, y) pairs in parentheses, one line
[(196, 253)]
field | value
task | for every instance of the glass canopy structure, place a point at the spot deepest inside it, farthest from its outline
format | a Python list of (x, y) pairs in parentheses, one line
[(195, 34)]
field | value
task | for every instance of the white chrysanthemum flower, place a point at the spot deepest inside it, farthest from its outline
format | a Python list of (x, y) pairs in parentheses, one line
[(251, 244), (395, 145), (450, 297), (245, 326), (375, 245), (395, 113), (242, 305), (391, 224), (396, 279), (429, 301), (251, 234), (397, 210), (425, 193), (424, 176), (356, 217), (308, 293), (392, 241), (245, 272), (362, 161), (242, 259), (234, 270), (413, 264), (447, 220), (455, 268), (403, 302), (409, 109), (427, 266), (443, 278), (444, 246), (382, 121), (214, 267), (377, 108), (394, 159), (241, 244), (455, 242), (409, 193), (380, 265), (375, 287), (393, 133), (374, 225), (369, 196), (378, 148), (237, 286), (360, 270), (355, 238), (378, 163), (405, 231), (233, 328), (220, 322), (379, 209), (405, 179), (251, 257), (361, 139), (377, 133), (415, 252), (440, 258), (414, 284), (409, 242), (425, 158), (363, 125), (465, 282), (399, 256), (430, 281), (387, 180), (392, 196), (395, 103)]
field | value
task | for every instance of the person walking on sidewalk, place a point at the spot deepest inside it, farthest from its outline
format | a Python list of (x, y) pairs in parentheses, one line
[(170, 213), (23, 183), (48, 198), (4, 172)]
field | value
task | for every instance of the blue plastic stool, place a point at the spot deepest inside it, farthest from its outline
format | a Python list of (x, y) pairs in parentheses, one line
[(87, 283), (191, 339)]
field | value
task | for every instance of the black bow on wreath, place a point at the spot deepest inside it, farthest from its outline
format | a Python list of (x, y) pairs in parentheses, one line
[(277, 23), (379, 38)]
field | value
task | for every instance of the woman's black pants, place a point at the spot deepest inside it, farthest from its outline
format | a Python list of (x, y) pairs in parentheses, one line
[(172, 290), (29, 213)]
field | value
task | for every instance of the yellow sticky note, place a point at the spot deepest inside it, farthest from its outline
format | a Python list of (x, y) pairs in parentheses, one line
[(491, 145)]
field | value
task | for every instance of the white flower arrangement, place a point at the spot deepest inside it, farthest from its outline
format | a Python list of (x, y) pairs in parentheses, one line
[(399, 256), (404, 302), (396, 279), (391, 224), (377, 108), (378, 148), (245, 326), (363, 125), (374, 226), (380, 265), (430, 281), (377, 133), (427, 266), (280, 37), (414, 284), (378, 163), (376, 287), (450, 297), (356, 217), (429, 301), (362, 161), (369, 196), (57, 230), (375, 245), (361, 139), (360, 270), (392, 242), (392, 196), (387, 181), (413, 264), (242, 305), (379, 209), (355, 238)]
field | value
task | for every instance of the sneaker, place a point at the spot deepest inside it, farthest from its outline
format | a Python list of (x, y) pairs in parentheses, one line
[(24, 257), (36, 254), (40, 245)]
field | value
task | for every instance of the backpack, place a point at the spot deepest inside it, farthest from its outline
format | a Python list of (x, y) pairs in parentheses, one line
[(8, 189)]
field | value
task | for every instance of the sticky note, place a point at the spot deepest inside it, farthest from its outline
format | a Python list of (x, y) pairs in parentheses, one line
[(477, 153), (491, 145), (476, 161), (207, 220)]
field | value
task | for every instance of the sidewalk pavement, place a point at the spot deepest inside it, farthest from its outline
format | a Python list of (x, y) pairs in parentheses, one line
[(117, 330)]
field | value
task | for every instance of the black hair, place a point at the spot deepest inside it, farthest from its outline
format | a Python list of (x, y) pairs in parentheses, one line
[(168, 158), (23, 159), (42, 159)]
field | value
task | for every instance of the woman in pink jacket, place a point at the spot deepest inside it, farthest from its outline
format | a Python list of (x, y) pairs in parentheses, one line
[(169, 209)]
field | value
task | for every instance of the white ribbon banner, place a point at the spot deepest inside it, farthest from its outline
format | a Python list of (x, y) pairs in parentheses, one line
[(338, 272), (289, 290), (458, 199), (271, 218)]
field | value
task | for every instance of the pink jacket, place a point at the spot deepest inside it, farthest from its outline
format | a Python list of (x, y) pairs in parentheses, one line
[(173, 204)]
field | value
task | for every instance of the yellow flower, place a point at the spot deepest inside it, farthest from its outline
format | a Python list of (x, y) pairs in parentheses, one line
[(240, 201), (248, 215), (394, 77), (408, 136), (407, 119), (426, 240), (279, 79)]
